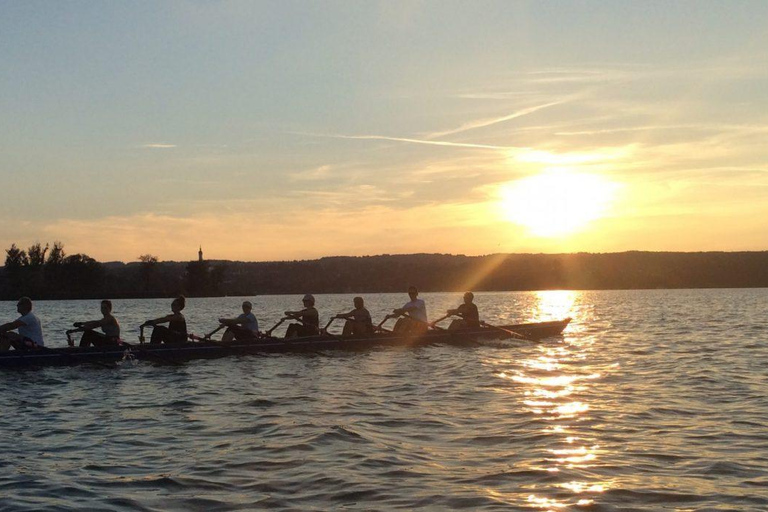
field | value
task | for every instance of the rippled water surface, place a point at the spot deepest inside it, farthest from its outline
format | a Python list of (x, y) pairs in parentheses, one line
[(651, 400)]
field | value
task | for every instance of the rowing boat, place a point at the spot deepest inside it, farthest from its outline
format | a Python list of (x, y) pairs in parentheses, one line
[(206, 349)]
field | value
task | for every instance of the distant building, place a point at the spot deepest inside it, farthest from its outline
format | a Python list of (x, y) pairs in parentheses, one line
[(200, 254)]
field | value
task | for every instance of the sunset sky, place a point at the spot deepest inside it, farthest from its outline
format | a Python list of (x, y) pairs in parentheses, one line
[(289, 130)]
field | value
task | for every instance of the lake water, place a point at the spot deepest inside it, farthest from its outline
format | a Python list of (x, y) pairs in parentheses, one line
[(651, 400)]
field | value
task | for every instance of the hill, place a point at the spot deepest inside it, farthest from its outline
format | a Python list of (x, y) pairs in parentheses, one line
[(390, 273)]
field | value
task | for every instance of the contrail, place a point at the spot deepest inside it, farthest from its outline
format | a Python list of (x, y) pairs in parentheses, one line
[(488, 122), (421, 141)]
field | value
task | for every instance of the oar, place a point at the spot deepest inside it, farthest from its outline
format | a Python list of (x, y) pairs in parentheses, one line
[(382, 329), (302, 322), (434, 324), (511, 333), (392, 315), (338, 338), (225, 346), (426, 323), (70, 341), (325, 329), (220, 327), (269, 332), (69, 332), (207, 337), (289, 340)]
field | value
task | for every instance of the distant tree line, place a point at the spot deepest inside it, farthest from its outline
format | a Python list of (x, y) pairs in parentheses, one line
[(501, 272), (49, 272), (43, 272)]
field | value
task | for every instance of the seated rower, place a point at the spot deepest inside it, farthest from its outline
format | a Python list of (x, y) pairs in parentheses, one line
[(358, 321), (30, 332), (243, 327), (176, 332), (415, 321), (309, 318), (108, 324), (470, 318)]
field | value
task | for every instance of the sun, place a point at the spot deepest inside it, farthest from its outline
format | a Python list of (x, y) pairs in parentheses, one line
[(556, 202)]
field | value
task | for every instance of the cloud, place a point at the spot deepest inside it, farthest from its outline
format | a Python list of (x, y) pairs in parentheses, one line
[(268, 233), (421, 141), (482, 123), (498, 95), (159, 145), (573, 158), (314, 174), (628, 129), (723, 128), (685, 140)]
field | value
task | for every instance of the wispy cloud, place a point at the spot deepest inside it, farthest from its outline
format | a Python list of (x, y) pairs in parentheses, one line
[(351, 197), (580, 75), (422, 141), (627, 129), (314, 174), (159, 145), (720, 128), (574, 158), (482, 123), (186, 180), (495, 95), (169, 236)]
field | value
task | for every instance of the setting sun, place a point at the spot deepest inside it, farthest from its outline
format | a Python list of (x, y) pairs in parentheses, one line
[(557, 201)]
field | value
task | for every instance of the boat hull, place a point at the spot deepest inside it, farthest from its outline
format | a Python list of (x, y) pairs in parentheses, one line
[(176, 353)]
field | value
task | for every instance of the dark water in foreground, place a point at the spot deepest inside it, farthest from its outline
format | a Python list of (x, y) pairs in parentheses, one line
[(652, 400)]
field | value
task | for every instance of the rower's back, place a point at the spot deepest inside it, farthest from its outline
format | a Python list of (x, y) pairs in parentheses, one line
[(359, 321)]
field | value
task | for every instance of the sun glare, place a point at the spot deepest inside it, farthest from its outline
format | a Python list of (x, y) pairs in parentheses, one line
[(557, 201)]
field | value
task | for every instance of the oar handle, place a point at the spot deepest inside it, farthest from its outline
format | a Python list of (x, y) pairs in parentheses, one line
[(302, 322), (324, 330), (329, 323), (382, 329), (269, 332), (220, 327), (424, 323), (434, 324), (207, 337)]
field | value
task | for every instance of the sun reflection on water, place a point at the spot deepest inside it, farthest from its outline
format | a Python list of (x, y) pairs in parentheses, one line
[(554, 304), (582, 487), (555, 382), (545, 503)]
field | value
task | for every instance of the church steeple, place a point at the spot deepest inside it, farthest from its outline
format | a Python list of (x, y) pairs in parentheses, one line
[(200, 254)]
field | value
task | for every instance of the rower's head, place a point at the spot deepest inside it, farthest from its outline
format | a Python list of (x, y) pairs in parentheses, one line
[(308, 300), (469, 297), (247, 306), (358, 302), (178, 304), (106, 307), (413, 292), (24, 305)]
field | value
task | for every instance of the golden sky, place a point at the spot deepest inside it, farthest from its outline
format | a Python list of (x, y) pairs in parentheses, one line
[(287, 130)]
